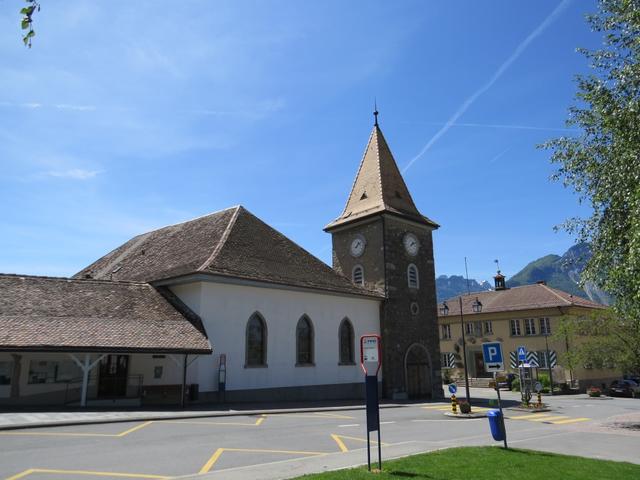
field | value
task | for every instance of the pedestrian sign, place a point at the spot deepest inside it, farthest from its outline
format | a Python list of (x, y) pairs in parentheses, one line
[(522, 354), (492, 356)]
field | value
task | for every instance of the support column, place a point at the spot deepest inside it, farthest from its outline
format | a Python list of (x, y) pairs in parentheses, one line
[(15, 375), (86, 368)]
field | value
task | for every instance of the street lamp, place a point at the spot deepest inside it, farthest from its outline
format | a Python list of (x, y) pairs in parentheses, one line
[(444, 310), (476, 306)]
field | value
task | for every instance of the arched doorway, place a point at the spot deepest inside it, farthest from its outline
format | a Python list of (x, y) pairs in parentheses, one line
[(417, 367)]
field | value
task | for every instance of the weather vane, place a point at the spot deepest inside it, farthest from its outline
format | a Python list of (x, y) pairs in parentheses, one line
[(375, 112)]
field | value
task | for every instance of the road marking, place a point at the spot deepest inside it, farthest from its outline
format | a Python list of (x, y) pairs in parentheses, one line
[(87, 472), (216, 455), (338, 440), (571, 420), (134, 429), (386, 423), (437, 407), (257, 423), (349, 425), (548, 419), (332, 415), (529, 416), (445, 420), (78, 434)]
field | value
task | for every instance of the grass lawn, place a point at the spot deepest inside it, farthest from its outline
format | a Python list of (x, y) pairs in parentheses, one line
[(490, 463)]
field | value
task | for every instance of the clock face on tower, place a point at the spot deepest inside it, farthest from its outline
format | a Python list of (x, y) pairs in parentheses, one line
[(411, 244), (357, 246)]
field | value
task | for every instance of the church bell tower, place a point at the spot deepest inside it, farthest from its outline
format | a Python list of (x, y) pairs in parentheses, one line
[(382, 242)]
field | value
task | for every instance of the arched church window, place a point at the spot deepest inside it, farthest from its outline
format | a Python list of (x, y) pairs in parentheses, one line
[(346, 342), (304, 341), (412, 276), (256, 342), (357, 275)]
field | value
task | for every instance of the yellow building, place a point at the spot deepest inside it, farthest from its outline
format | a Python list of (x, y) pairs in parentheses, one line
[(526, 316)]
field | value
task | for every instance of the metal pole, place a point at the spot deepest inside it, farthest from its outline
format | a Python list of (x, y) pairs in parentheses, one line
[(184, 382), (85, 379), (368, 451), (546, 343), (464, 354), (379, 450), (504, 428)]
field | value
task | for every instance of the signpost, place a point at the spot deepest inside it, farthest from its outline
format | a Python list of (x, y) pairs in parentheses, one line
[(522, 354), (371, 360), (494, 362)]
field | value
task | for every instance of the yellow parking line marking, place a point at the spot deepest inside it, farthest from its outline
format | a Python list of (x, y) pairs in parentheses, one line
[(548, 419), (257, 423), (131, 430), (87, 472), (21, 474), (60, 434), (436, 407), (357, 439), (338, 440), (216, 455), (571, 420), (211, 462), (332, 415), (530, 415)]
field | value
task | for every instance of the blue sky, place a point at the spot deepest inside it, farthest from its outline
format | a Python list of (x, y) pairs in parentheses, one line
[(128, 116)]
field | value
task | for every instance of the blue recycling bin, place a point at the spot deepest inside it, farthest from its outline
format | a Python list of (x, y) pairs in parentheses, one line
[(496, 424)]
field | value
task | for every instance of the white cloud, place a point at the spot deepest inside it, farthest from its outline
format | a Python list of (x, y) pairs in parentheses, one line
[(74, 174), (494, 78)]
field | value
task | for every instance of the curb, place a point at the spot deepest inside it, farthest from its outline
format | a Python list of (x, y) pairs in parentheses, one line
[(151, 417)]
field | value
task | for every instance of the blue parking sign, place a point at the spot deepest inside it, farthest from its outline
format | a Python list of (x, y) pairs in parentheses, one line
[(492, 356)]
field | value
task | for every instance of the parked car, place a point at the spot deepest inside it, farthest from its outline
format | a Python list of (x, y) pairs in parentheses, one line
[(622, 388), (508, 381)]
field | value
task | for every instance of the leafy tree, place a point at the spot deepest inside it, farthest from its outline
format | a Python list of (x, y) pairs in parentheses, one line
[(27, 20), (602, 165)]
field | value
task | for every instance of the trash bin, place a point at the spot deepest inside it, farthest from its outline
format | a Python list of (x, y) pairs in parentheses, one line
[(496, 424)]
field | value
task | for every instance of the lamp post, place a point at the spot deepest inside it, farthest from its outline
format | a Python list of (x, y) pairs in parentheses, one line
[(546, 344), (477, 308)]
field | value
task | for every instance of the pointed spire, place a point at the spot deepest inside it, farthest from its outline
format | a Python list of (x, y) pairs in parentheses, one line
[(379, 186), (375, 112)]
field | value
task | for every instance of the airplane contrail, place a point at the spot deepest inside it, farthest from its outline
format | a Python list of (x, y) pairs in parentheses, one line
[(496, 76)]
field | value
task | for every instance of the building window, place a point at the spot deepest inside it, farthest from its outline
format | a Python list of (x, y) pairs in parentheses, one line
[(256, 342), (412, 276), (530, 326), (346, 343), (543, 360), (477, 329), (304, 341), (45, 371), (488, 327), (446, 332), (545, 326), (515, 328), (468, 328), (358, 275), (5, 373)]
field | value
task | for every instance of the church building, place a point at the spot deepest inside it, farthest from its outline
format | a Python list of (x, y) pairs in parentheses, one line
[(226, 308)]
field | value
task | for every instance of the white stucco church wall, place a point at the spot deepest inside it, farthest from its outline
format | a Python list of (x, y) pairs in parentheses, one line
[(225, 310)]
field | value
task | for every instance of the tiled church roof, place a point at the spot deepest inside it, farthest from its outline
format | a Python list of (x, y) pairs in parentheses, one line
[(379, 187), (232, 243), (526, 297), (61, 314)]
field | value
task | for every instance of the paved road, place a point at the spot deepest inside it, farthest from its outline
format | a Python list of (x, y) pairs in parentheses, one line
[(276, 446)]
